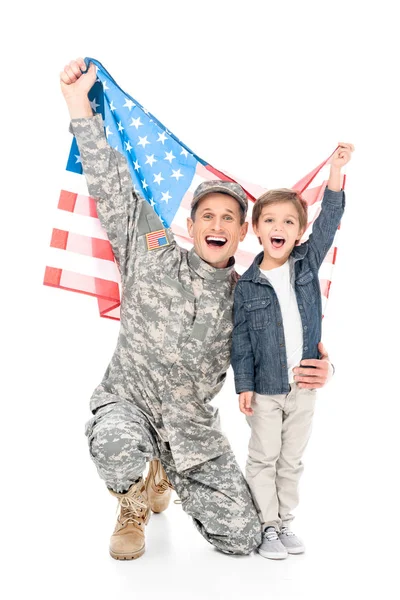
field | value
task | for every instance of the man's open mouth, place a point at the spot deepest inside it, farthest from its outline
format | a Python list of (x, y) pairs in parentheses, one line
[(216, 241), (277, 241)]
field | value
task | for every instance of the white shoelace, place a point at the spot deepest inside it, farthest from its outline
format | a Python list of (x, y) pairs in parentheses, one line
[(286, 531), (271, 535)]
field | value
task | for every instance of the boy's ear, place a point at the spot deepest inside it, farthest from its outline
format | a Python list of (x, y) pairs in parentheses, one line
[(301, 233)]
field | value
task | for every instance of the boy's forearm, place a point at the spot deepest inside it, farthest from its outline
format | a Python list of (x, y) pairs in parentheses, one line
[(335, 179), (79, 107)]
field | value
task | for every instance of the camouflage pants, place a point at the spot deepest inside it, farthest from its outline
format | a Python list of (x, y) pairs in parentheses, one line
[(214, 493)]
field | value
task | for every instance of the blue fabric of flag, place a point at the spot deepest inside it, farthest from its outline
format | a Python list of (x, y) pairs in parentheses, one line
[(161, 166)]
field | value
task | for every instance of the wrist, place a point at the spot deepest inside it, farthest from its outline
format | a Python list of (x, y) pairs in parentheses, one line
[(79, 106)]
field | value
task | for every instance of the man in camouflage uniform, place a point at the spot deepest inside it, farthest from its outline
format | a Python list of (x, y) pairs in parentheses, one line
[(173, 350)]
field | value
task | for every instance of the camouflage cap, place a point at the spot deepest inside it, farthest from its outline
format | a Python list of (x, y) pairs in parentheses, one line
[(221, 187)]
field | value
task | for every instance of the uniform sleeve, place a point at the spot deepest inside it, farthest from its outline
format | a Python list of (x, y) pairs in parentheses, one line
[(325, 226), (124, 215), (242, 357)]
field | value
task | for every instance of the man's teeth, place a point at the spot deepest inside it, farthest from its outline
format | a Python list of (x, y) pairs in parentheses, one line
[(216, 240)]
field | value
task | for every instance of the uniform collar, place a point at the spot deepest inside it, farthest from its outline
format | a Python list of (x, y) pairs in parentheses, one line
[(206, 271)]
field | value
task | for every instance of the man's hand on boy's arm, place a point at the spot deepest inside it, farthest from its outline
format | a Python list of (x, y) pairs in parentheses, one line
[(75, 87), (339, 159), (245, 399), (314, 373)]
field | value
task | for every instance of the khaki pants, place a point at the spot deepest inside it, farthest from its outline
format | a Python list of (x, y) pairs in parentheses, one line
[(280, 430)]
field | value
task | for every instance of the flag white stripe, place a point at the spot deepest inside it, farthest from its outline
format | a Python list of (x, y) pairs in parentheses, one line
[(84, 265), (81, 224), (74, 182)]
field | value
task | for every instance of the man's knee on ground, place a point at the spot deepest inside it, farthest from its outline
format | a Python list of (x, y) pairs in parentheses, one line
[(115, 441)]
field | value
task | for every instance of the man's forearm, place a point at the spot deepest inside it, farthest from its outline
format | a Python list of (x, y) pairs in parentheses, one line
[(79, 107)]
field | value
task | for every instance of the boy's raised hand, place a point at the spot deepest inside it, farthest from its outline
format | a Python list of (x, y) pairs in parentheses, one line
[(245, 399), (73, 82), (342, 155)]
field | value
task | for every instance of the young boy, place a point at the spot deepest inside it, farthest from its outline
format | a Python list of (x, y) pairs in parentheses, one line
[(277, 324)]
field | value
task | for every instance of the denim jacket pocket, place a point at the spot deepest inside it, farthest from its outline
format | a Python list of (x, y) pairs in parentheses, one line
[(258, 312), (305, 285)]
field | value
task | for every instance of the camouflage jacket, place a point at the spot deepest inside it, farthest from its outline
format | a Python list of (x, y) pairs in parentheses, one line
[(174, 343)]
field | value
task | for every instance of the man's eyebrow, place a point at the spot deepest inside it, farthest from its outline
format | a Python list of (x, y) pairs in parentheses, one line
[(211, 210)]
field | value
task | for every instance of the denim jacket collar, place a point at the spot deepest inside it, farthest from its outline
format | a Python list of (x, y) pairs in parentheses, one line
[(253, 272)]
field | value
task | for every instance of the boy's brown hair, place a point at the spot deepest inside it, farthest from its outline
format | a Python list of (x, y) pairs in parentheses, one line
[(278, 196)]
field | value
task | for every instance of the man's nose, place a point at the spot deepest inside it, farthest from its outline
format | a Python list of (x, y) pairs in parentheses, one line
[(218, 224)]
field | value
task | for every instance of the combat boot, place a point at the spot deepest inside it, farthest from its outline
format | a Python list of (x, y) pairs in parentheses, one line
[(127, 541), (158, 487)]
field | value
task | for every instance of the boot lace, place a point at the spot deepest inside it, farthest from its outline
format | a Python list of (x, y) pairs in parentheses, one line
[(132, 509), (163, 485)]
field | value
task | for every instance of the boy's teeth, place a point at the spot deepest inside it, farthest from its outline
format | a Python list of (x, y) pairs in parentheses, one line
[(216, 239)]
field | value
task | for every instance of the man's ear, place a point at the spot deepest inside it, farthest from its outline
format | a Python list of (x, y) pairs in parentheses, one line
[(189, 225), (243, 231)]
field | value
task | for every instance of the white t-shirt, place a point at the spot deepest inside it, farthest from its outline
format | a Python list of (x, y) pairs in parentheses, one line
[(279, 278)]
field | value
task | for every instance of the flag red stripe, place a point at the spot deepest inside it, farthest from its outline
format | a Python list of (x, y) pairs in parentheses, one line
[(225, 177), (325, 287), (82, 244), (59, 239), (77, 203), (52, 277)]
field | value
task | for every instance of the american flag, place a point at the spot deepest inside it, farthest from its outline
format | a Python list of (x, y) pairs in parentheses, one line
[(166, 173), (156, 239)]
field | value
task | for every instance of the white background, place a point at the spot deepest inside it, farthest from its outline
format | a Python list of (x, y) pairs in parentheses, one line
[(264, 90)]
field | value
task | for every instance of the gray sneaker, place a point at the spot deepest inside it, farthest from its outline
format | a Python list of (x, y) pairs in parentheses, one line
[(271, 546), (292, 543)]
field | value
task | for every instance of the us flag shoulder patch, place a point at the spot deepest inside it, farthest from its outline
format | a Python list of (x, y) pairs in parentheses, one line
[(156, 239)]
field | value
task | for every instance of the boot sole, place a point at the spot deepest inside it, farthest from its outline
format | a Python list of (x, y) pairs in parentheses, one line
[(155, 509), (130, 556)]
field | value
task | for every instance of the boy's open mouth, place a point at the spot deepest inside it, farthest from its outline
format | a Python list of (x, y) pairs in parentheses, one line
[(277, 241), (216, 241)]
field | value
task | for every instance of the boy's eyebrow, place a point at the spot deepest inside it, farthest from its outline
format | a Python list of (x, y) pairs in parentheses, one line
[(265, 214)]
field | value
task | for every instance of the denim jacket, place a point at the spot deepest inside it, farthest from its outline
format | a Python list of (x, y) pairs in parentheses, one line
[(258, 344)]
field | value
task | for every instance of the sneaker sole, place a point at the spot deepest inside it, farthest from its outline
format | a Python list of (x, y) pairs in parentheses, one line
[(130, 556), (296, 550), (274, 556)]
